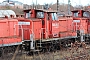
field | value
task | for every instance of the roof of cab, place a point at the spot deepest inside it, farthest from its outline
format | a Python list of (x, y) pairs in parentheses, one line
[(49, 10), (80, 10)]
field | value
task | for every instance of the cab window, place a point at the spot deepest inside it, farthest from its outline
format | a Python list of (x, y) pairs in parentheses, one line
[(40, 15), (86, 14), (28, 14), (54, 16), (75, 14)]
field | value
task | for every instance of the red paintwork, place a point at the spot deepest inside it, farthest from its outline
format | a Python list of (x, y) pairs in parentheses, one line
[(55, 28), (84, 23), (62, 24), (34, 28), (70, 24), (7, 27), (10, 40), (66, 28), (88, 27), (9, 32)]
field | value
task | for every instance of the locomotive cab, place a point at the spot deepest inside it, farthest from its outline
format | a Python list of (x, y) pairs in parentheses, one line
[(50, 23), (81, 23), (80, 13)]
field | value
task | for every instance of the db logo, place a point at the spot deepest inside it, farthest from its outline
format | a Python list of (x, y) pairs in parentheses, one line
[(55, 24)]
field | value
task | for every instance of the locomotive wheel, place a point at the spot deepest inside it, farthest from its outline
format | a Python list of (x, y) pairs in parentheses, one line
[(52, 47)]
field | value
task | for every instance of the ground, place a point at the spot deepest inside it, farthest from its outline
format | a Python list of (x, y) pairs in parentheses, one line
[(63, 54), (69, 53)]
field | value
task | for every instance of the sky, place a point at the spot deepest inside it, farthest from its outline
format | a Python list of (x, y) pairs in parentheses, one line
[(73, 2)]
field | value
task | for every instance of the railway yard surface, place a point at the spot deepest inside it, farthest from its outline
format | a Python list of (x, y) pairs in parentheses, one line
[(77, 52), (71, 53), (59, 55)]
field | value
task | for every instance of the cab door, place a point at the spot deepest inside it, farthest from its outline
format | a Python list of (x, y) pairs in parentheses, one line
[(76, 25), (55, 25), (48, 25)]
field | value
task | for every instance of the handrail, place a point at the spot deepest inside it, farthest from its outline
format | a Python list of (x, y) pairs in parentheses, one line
[(22, 30), (41, 34)]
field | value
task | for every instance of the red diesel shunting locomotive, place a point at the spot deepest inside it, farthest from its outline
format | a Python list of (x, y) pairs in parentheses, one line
[(46, 28)]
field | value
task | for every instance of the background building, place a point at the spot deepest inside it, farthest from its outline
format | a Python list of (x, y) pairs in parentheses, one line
[(12, 3)]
